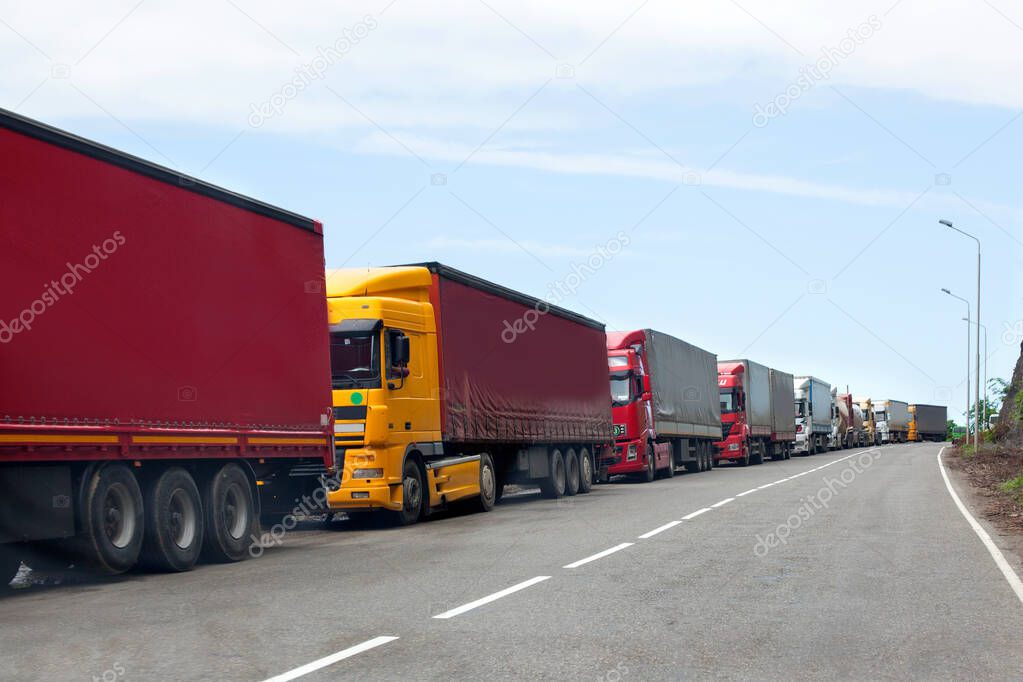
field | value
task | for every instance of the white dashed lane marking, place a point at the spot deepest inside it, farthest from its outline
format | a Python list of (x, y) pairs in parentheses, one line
[(599, 555), (492, 598)]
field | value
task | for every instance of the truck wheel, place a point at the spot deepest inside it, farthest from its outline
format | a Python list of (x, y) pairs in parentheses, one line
[(112, 520), (412, 495), (571, 473), (757, 456), (10, 563), (488, 484), (174, 522), (553, 485), (585, 471), (229, 514), (670, 472), (651, 466)]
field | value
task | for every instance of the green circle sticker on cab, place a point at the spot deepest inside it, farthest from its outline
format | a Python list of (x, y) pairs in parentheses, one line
[(356, 399)]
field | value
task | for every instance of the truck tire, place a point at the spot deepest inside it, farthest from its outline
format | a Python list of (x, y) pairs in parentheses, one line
[(757, 455), (174, 522), (412, 496), (670, 471), (10, 563), (571, 473), (552, 486), (113, 520), (488, 484), (585, 471), (698, 465), (229, 514), (650, 473)]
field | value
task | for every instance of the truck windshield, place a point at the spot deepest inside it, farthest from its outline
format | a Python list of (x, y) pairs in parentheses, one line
[(621, 389), (881, 416), (728, 402), (800, 408), (354, 361)]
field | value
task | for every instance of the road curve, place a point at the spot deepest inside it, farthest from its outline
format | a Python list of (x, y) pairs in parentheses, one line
[(854, 564)]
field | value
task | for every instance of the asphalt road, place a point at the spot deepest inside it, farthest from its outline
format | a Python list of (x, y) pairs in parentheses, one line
[(880, 577)]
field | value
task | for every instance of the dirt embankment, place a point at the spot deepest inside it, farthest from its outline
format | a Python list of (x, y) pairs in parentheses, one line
[(987, 472), (992, 470)]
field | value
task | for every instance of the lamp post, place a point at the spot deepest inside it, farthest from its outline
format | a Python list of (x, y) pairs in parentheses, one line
[(967, 361), (984, 327), (976, 431)]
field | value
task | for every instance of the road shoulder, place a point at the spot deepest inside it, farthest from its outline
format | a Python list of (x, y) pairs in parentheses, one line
[(977, 501)]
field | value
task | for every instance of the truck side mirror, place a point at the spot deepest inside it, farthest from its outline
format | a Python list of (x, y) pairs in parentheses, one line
[(402, 352)]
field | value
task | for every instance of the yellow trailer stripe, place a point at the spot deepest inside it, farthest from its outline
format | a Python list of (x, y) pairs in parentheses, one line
[(181, 440), (28, 438), (287, 441)]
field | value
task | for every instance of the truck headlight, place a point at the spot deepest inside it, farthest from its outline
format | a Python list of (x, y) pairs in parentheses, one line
[(368, 473), (633, 453), (733, 447)]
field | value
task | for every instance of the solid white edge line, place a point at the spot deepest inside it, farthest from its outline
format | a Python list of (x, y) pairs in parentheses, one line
[(748, 492), (992, 548), (599, 555), (491, 598), (696, 513), (332, 659), (655, 531), (722, 503)]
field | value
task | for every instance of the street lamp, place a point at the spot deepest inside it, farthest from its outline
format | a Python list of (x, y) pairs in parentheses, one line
[(967, 362), (976, 435), (984, 327)]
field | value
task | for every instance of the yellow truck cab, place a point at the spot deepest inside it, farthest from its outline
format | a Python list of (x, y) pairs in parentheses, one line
[(433, 405)]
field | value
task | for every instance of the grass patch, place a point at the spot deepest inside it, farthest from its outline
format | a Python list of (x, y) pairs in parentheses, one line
[(1013, 485)]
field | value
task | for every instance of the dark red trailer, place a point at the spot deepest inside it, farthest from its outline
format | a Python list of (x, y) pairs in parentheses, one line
[(523, 378), (163, 355)]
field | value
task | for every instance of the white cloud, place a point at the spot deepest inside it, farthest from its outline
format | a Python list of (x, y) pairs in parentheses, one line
[(456, 63), (664, 169)]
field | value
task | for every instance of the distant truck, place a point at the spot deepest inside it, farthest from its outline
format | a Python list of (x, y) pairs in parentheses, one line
[(814, 411), (892, 419), (870, 436), (182, 392), (446, 387), (757, 413), (842, 431), (859, 432), (928, 422), (665, 404)]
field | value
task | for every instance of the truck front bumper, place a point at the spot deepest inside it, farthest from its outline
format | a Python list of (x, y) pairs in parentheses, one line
[(730, 448), (622, 464), (354, 494), (365, 497)]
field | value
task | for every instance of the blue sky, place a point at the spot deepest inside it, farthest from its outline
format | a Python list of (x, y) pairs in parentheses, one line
[(511, 140)]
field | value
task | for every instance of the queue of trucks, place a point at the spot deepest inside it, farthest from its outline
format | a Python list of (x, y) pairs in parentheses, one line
[(178, 367)]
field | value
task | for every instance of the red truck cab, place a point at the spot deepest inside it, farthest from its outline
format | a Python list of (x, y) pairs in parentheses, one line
[(734, 443), (636, 449)]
